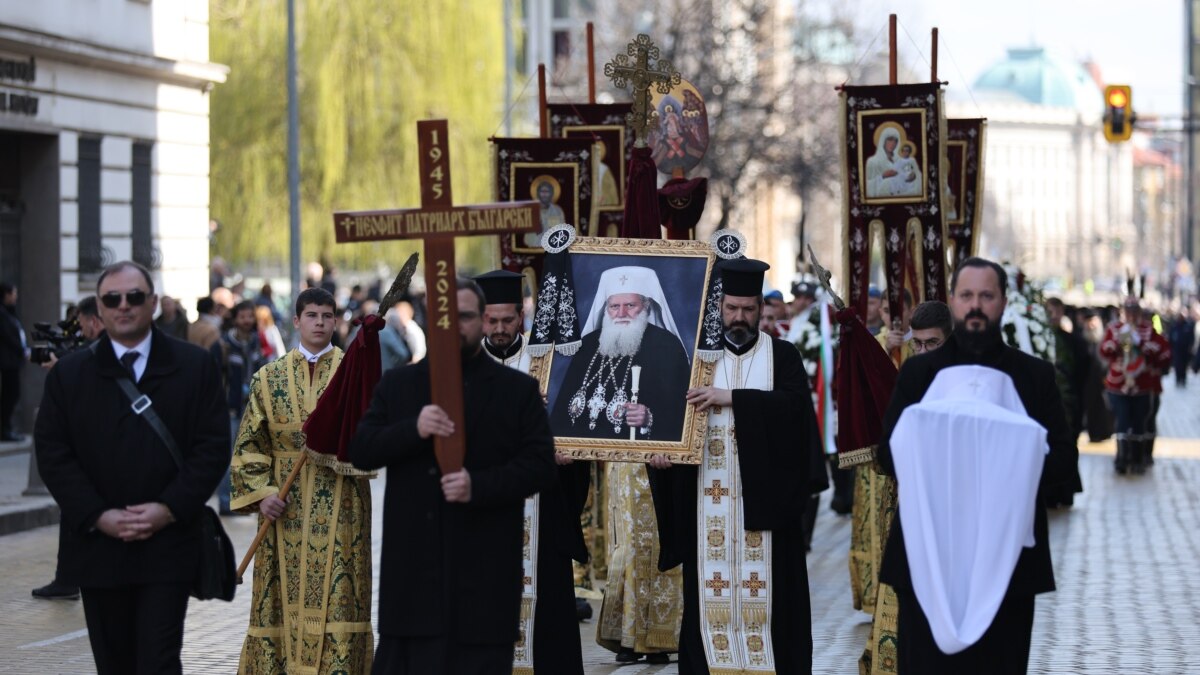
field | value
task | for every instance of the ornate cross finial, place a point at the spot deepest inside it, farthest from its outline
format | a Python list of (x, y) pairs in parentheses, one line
[(639, 76), (823, 278)]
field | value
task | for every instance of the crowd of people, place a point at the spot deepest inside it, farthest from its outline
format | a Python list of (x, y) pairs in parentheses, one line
[(705, 560)]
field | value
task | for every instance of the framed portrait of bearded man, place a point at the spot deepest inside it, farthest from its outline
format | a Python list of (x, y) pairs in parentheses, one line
[(618, 392)]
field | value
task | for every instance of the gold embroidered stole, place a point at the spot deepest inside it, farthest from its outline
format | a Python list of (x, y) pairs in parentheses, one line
[(523, 649), (735, 563), (305, 599)]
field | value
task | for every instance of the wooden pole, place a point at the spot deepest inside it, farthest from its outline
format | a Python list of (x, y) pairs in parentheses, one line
[(893, 79), (933, 56), (591, 49), (268, 524), (543, 123)]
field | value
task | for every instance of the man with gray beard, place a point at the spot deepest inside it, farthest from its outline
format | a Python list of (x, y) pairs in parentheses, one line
[(630, 324)]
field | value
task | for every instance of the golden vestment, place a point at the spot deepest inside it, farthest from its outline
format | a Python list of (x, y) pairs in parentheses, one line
[(642, 607), (311, 607), (874, 507)]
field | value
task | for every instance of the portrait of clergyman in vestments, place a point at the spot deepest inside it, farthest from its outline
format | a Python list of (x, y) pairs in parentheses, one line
[(553, 187), (608, 173), (891, 151), (639, 317)]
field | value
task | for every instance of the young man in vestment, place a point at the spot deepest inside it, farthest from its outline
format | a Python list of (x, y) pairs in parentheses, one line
[(549, 641), (874, 503), (311, 611), (451, 574), (977, 301), (734, 521)]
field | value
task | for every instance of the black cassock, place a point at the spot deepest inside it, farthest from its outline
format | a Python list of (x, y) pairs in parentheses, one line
[(778, 474), (1004, 648), (662, 388), (556, 646), (450, 574)]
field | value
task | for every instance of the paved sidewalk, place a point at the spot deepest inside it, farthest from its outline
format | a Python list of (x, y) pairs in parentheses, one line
[(1125, 556)]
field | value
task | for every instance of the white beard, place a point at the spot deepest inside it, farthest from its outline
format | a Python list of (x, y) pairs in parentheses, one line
[(622, 340)]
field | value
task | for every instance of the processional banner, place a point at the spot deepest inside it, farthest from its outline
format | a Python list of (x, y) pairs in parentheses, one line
[(892, 150), (963, 198), (557, 174), (606, 124)]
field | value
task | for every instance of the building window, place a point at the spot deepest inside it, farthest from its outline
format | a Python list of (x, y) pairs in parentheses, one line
[(91, 252), (143, 240)]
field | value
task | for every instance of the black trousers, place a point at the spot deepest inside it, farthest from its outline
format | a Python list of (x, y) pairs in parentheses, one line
[(10, 393), (136, 629), (1003, 649), (438, 654)]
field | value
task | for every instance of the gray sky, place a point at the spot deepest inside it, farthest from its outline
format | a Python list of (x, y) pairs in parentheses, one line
[(1135, 42)]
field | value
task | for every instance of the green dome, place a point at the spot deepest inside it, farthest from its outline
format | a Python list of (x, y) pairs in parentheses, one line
[(1036, 77)]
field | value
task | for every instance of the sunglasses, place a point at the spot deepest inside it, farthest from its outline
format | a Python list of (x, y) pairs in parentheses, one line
[(135, 298)]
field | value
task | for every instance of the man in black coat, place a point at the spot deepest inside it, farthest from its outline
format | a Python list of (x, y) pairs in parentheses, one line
[(132, 513), (12, 360), (977, 300), (450, 580)]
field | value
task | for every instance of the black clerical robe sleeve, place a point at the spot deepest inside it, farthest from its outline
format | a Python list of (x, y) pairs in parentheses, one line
[(908, 391), (1058, 472), (532, 468), (388, 431), (775, 468)]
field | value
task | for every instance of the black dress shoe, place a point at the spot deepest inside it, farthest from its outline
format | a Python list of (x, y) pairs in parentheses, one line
[(659, 658), (56, 591), (583, 609), (626, 655)]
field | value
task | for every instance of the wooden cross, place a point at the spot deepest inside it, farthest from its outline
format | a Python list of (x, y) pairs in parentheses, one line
[(439, 222), (717, 584), (716, 492), (754, 584), (639, 77)]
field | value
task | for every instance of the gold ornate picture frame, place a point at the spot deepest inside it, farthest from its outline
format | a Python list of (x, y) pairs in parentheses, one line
[(678, 273)]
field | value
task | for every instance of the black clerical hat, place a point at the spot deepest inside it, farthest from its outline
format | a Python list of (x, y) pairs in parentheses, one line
[(744, 277), (501, 287)]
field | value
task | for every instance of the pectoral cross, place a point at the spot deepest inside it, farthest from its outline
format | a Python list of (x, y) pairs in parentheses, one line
[(754, 584), (717, 584), (716, 492), (639, 76), (438, 222)]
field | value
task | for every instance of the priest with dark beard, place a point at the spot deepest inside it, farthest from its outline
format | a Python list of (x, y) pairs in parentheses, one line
[(734, 521), (630, 342), (977, 301)]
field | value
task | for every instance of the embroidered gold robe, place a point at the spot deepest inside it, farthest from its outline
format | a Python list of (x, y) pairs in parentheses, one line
[(642, 607), (311, 608)]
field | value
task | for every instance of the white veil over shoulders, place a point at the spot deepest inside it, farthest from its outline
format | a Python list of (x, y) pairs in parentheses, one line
[(968, 462), (631, 279)]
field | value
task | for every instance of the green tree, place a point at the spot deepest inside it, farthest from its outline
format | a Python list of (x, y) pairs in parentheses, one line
[(368, 71)]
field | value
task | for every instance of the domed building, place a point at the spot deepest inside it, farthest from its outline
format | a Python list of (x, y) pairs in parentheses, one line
[(1058, 197)]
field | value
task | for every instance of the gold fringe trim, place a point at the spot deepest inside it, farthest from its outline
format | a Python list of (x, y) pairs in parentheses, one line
[(331, 462), (709, 355), (719, 614), (856, 457), (738, 671), (526, 608), (756, 614), (251, 458), (522, 671)]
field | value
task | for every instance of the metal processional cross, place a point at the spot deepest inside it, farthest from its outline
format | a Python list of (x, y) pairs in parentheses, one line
[(639, 76)]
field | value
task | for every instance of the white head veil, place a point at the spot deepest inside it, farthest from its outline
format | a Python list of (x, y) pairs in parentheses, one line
[(630, 279), (881, 149)]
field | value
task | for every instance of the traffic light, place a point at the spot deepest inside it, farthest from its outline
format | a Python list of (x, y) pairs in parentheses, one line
[(1118, 113)]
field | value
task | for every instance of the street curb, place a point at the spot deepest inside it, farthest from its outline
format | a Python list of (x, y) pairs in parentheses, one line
[(39, 512)]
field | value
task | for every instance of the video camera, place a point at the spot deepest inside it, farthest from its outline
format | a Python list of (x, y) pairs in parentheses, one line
[(59, 340)]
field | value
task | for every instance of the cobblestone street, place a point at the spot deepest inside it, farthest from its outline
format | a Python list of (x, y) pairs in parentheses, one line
[(1125, 556)]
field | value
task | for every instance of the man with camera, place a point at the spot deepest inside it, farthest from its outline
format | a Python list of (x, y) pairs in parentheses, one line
[(135, 541), (88, 330)]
